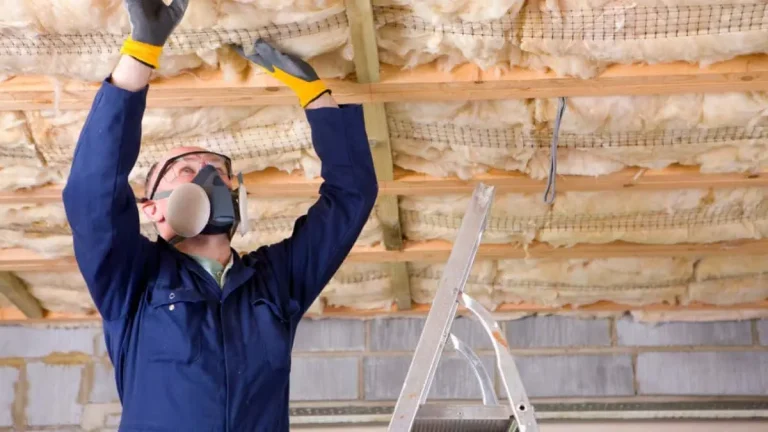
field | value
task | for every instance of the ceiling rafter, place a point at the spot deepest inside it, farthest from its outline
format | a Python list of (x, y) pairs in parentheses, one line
[(363, 34), (375, 84), (271, 183), (437, 251), (418, 309), (421, 84)]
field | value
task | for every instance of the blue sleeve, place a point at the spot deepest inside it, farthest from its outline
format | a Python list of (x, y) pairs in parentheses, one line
[(100, 205), (322, 239)]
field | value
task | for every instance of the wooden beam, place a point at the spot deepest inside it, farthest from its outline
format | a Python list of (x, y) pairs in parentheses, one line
[(16, 292), (408, 183), (272, 183), (207, 88), (437, 251), (420, 309), (468, 82), (423, 83), (366, 56)]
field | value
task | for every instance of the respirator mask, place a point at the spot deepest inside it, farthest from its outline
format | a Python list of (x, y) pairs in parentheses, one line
[(203, 204)]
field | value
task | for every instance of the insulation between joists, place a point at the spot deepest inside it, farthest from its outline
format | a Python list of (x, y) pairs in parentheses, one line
[(40, 37), (571, 37), (719, 133), (549, 283)]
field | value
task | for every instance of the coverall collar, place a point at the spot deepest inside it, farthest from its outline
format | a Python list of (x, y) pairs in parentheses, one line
[(214, 268), (237, 272)]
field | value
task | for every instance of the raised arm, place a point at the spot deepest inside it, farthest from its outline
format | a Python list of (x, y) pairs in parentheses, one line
[(322, 239), (98, 200)]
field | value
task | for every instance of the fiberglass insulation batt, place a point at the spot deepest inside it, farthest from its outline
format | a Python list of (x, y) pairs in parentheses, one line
[(721, 132), (81, 39), (571, 37), (553, 283), (718, 132)]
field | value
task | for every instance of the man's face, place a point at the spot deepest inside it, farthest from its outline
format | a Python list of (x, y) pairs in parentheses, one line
[(182, 169), (177, 167)]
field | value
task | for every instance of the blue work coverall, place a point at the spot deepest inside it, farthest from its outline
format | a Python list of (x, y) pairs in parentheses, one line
[(190, 355)]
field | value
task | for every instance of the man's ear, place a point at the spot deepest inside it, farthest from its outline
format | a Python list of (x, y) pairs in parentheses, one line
[(150, 210)]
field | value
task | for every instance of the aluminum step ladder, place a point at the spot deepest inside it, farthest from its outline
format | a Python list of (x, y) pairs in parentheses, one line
[(412, 413)]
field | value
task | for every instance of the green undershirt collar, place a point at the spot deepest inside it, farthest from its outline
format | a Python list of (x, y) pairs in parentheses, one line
[(214, 268)]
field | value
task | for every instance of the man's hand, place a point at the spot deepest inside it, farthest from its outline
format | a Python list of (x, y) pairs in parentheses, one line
[(291, 70), (152, 23)]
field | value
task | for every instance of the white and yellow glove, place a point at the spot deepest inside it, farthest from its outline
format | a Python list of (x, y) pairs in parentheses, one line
[(152, 22), (289, 69)]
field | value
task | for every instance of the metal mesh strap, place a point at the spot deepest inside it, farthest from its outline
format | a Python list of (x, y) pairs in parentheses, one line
[(611, 23), (518, 137), (181, 42), (684, 218)]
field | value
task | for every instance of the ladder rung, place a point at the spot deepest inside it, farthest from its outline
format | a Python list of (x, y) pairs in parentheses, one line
[(507, 425), (470, 412)]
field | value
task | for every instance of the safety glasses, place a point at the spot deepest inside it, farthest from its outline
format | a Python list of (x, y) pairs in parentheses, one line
[(185, 167)]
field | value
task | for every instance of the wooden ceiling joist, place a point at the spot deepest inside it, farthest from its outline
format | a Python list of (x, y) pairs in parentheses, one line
[(272, 183), (363, 34), (437, 251), (423, 83), (419, 309)]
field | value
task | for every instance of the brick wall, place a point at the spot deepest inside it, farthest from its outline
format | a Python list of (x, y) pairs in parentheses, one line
[(59, 378)]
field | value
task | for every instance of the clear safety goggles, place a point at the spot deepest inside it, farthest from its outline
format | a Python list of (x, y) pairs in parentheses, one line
[(185, 167)]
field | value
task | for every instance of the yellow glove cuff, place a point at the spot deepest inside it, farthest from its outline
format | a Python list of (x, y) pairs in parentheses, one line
[(149, 54), (307, 91)]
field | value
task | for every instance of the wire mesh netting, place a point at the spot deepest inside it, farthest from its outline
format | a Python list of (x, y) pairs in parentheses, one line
[(711, 215), (611, 23), (359, 278), (729, 277), (180, 42), (19, 153), (402, 18), (599, 24), (430, 273), (255, 142), (519, 137)]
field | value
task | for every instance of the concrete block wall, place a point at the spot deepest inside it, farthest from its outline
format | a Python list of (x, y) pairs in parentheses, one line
[(58, 377)]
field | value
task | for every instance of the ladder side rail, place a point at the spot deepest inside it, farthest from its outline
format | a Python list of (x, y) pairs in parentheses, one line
[(441, 314)]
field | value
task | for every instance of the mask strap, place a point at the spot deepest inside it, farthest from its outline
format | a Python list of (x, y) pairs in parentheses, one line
[(242, 202)]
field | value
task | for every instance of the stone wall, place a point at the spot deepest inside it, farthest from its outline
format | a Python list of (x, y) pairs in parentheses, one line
[(58, 377)]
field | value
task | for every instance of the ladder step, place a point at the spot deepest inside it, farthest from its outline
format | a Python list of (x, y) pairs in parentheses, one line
[(465, 425)]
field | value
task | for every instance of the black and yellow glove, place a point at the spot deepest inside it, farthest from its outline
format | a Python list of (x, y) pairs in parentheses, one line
[(152, 22), (289, 69)]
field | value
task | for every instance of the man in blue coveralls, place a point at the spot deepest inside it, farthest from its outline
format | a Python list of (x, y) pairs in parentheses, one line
[(201, 337)]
